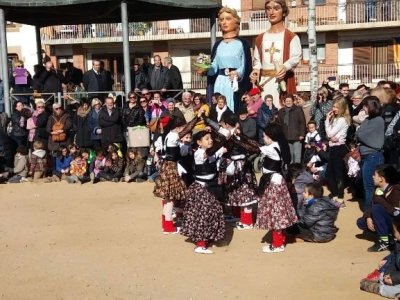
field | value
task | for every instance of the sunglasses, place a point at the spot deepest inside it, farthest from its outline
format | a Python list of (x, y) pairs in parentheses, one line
[(143, 101), (146, 94), (132, 97), (57, 108), (39, 106), (320, 94)]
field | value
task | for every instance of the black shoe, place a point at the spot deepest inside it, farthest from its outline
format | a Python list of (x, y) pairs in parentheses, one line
[(96, 180), (140, 180), (379, 246)]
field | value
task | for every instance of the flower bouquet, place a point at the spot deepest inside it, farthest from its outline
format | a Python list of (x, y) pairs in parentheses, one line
[(203, 62)]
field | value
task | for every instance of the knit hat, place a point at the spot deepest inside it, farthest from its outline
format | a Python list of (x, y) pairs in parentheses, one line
[(254, 91)]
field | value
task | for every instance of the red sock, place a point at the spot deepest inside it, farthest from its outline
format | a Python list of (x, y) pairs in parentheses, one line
[(169, 226), (201, 244), (246, 218), (278, 238)]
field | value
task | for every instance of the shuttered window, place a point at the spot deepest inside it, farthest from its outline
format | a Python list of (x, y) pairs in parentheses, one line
[(361, 53)]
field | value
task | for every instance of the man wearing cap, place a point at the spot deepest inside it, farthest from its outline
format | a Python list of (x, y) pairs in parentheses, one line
[(276, 53)]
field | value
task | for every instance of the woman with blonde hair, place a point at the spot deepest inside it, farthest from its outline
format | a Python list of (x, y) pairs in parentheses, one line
[(336, 126), (231, 61)]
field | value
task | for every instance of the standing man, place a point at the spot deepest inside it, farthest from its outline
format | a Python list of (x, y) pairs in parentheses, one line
[(95, 80), (158, 76), (277, 52), (175, 78), (138, 78)]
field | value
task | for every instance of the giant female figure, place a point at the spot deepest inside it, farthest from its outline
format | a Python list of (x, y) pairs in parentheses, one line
[(231, 61)]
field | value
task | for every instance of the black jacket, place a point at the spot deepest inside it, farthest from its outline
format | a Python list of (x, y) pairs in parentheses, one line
[(50, 82), (320, 218), (297, 123), (249, 128), (214, 115), (138, 80), (133, 117), (162, 81), (393, 269), (41, 133), (96, 83), (83, 132), (111, 126), (175, 78)]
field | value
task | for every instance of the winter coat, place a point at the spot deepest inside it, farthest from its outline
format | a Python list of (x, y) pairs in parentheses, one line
[(393, 268), (18, 120), (265, 115), (83, 133), (94, 125), (133, 168), (111, 126), (116, 168), (41, 133), (20, 165), (38, 161), (320, 218), (134, 116), (297, 123), (62, 163), (214, 114), (50, 81), (65, 119)]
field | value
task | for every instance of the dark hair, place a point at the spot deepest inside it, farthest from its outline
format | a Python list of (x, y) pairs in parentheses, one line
[(373, 105), (315, 189), (77, 154), (342, 85), (99, 152), (23, 150), (229, 119), (312, 122), (287, 95), (176, 122), (275, 133), (388, 172), (294, 170), (201, 98), (216, 95), (282, 3), (199, 135)]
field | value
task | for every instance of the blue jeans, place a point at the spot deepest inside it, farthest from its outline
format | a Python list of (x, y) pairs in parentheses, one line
[(382, 221), (368, 165)]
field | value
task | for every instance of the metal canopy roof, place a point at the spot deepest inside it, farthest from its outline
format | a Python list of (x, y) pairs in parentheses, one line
[(58, 12)]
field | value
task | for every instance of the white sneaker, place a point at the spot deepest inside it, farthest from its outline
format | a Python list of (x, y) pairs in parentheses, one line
[(241, 226), (202, 250), (272, 249)]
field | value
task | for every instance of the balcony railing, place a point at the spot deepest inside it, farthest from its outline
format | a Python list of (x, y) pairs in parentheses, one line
[(370, 13)]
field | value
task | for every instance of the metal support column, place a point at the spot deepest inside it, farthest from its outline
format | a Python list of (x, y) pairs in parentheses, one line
[(125, 46), (213, 28), (4, 63), (38, 45)]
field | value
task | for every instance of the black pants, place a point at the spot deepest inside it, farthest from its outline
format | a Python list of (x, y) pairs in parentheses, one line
[(336, 170)]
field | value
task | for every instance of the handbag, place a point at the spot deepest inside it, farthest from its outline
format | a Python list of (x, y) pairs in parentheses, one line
[(138, 136), (153, 125)]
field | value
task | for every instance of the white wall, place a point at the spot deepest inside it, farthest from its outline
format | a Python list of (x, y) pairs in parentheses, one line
[(345, 58), (181, 59), (236, 4), (25, 38)]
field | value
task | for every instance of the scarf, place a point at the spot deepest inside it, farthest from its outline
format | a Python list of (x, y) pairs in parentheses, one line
[(220, 112)]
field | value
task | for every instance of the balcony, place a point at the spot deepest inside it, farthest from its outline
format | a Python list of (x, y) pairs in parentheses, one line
[(352, 74), (352, 15)]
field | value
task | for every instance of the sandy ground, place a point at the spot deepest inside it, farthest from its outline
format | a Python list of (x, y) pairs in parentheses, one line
[(104, 241)]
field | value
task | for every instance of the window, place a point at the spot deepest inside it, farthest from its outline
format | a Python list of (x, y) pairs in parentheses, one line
[(320, 53)]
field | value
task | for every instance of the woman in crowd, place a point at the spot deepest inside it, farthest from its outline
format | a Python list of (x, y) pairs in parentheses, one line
[(336, 125), (19, 133), (94, 127), (370, 135), (83, 132), (200, 102), (58, 126)]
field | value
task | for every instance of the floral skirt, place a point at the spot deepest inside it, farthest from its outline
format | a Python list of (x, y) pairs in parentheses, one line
[(275, 208), (168, 184), (241, 187), (202, 215)]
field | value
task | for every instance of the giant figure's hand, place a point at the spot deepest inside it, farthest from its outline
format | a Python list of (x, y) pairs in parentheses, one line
[(254, 75)]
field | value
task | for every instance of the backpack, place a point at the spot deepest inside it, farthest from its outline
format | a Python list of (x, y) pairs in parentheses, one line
[(58, 125)]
